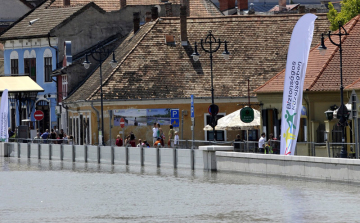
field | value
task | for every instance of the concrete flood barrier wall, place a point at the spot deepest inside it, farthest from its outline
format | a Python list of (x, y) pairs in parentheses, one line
[(331, 169), (169, 157)]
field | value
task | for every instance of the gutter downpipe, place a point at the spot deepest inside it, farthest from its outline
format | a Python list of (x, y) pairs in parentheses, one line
[(57, 51)]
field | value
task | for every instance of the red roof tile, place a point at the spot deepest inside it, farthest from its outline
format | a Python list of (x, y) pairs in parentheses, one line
[(323, 72)]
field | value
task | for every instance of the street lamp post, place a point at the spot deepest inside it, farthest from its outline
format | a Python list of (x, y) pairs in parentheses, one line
[(214, 46), (342, 112), (100, 54)]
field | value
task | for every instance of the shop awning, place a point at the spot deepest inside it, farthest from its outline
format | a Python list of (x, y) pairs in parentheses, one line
[(19, 84)]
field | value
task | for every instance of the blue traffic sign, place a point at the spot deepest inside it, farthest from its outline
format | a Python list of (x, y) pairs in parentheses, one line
[(174, 113), (175, 122), (192, 106)]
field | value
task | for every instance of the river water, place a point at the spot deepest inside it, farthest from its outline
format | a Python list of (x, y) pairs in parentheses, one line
[(55, 191)]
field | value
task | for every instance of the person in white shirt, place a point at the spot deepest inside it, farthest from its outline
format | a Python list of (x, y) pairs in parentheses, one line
[(176, 139), (262, 143), (155, 133)]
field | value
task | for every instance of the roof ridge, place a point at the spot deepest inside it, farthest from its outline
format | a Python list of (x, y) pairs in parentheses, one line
[(23, 17), (122, 61), (355, 21), (67, 6), (352, 84)]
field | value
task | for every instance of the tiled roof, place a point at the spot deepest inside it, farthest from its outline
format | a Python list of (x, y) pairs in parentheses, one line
[(288, 7), (198, 8), (323, 72), (150, 69), (107, 5), (48, 18)]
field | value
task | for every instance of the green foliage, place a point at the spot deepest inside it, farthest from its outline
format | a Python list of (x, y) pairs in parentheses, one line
[(349, 9)]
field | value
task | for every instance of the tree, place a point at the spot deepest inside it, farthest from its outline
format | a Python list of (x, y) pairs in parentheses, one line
[(349, 9)]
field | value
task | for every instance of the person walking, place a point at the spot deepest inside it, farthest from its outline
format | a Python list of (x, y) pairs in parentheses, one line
[(155, 132), (262, 143), (176, 139), (119, 141), (171, 136)]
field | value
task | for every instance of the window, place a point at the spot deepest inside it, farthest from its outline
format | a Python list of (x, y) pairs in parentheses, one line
[(14, 62), (220, 135), (14, 66), (48, 68), (30, 67)]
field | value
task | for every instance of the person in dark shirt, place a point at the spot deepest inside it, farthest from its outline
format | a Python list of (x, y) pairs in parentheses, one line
[(11, 133), (236, 143)]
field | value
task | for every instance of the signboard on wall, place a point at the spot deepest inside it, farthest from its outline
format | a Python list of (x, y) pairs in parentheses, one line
[(146, 117)]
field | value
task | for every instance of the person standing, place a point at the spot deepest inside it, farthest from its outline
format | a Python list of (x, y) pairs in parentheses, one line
[(119, 141), (236, 143), (161, 135), (52, 136), (45, 135), (262, 143), (171, 136), (155, 132), (176, 139), (132, 140), (140, 143)]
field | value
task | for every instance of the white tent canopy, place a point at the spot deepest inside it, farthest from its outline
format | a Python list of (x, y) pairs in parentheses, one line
[(233, 122)]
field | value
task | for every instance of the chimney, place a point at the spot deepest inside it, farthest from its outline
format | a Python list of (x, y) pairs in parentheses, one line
[(136, 21), (183, 26), (186, 4), (282, 5), (66, 2), (226, 4), (148, 17), (154, 13), (301, 9), (122, 3), (243, 5), (168, 9)]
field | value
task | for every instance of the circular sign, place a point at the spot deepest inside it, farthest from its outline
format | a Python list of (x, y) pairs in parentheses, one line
[(213, 109), (122, 122), (247, 115), (38, 115)]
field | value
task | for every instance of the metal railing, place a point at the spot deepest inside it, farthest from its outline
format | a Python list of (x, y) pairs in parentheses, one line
[(325, 149)]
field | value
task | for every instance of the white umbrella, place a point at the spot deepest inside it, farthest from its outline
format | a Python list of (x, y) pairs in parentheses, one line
[(233, 122)]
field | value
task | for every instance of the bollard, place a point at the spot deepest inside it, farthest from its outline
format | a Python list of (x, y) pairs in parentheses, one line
[(98, 153), (28, 150), (39, 151), (158, 156), (127, 154), (18, 150), (50, 151), (192, 160), (142, 155), (62, 152), (112, 155), (175, 158), (86, 153), (73, 153)]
